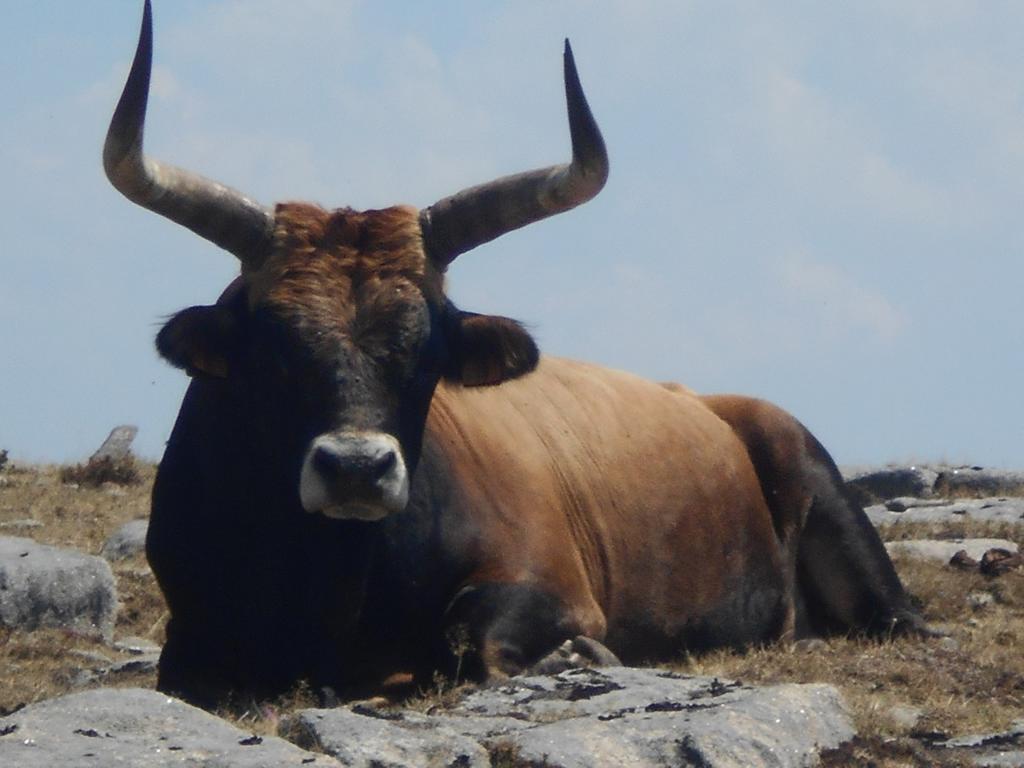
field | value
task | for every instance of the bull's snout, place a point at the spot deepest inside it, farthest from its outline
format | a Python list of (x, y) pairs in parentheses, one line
[(354, 475)]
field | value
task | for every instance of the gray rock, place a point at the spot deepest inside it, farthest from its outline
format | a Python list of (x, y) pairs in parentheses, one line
[(117, 445), (1009, 510), (614, 716), (645, 717), (1005, 748), (136, 645), (368, 739), (870, 484), (979, 481), (135, 727), (42, 586), (943, 550), (128, 540)]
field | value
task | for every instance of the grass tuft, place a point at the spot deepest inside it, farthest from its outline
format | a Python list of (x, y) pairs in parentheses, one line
[(96, 472)]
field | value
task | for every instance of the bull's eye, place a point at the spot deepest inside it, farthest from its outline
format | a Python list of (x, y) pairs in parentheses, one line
[(392, 334)]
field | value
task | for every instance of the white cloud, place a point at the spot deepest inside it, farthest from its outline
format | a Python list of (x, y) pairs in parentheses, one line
[(839, 304), (826, 146)]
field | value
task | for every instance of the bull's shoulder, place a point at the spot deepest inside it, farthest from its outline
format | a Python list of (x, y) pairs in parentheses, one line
[(587, 404)]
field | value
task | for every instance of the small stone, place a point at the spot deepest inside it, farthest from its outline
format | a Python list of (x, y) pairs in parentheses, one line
[(996, 562), (980, 600), (810, 645), (136, 646), (905, 716), (963, 561), (128, 540), (903, 503)]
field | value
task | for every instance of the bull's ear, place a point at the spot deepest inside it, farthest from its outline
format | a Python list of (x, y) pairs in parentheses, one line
[(489, 350), (200, 340)]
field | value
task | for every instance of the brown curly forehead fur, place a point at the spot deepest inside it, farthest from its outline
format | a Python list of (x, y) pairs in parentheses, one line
[(329, 266)]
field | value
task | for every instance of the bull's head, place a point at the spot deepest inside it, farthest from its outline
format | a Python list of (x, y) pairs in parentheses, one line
[(338, 329)]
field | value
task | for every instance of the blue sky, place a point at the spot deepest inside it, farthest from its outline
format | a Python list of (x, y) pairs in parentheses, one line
[(821, 204)]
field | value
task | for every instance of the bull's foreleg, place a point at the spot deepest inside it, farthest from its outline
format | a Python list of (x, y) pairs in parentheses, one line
[(496, 630), (580, 651)]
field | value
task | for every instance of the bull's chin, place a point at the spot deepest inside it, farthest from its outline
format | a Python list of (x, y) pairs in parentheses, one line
[(355, 510)]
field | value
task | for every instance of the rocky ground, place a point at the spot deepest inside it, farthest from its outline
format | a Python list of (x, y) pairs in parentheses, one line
[(81, 622)]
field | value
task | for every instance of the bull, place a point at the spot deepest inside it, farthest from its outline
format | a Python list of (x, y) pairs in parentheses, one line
[(361, 472)]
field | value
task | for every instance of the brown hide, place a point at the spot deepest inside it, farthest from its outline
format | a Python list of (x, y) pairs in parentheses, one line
[(775, 441), (840, 575), (636, 506)]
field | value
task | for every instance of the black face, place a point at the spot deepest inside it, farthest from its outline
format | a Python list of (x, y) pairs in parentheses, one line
[(335, 344), (375, 377), (341, 408)]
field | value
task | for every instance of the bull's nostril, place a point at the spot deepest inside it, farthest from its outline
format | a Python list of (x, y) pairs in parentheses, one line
[(355, 476), (327, 462), (353, 466), (381, 465)]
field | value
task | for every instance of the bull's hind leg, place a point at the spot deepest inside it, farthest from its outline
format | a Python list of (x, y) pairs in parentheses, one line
[(843, 577), (495, 630)]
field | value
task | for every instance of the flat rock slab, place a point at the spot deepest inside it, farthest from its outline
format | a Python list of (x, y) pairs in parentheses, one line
[(128, 540), (1004, 749), (615, 716), (943, 550), (42, 586), (878, 483), (136, 727), (366, 740), (978, 481), (996, 509), (871, 484)]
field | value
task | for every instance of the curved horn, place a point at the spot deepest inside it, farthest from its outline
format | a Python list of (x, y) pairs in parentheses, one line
[(479, 214), (213, 211)]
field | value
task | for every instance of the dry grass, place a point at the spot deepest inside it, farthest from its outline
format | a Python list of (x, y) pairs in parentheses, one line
[(971, 683), (97, 472), (963, 528), (35, 503), (951, 490)]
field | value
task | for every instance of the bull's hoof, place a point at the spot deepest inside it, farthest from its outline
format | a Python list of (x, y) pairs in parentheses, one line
[(911, 624), (581, 651)]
